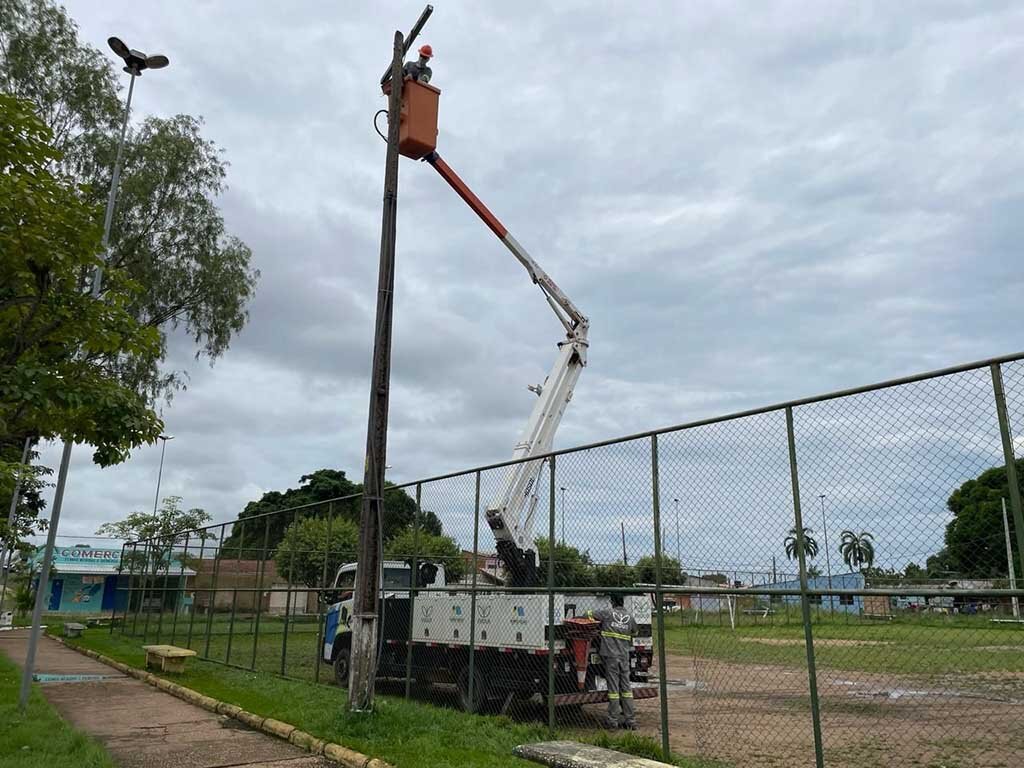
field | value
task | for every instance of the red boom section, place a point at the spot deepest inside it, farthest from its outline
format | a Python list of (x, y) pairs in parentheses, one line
[(466, 194)]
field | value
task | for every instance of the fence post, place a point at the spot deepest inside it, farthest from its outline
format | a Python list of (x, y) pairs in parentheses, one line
[(195, 591), (659, 599), (144, 573), (234, 591), (211, 604), (805, 602), (551, 599), (113, 608), (318, 652), (412, 590), (1011, 460), (259, 591), (472, 596), (181, 587), (287, 606), (163, 590)]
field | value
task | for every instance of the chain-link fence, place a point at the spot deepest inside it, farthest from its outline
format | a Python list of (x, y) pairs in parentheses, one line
[(822, 582)]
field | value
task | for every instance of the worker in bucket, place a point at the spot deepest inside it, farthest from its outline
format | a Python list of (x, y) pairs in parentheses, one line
[(418, 70), (617, 629)]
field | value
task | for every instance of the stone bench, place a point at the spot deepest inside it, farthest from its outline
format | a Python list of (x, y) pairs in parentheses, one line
[(572, 754), (169, 658), (73, 629)]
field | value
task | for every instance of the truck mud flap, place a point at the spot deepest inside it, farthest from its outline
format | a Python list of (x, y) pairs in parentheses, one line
[(599, 697)]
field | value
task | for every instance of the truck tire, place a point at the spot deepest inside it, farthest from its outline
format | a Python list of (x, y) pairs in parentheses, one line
[(480, 697), (341, 664)]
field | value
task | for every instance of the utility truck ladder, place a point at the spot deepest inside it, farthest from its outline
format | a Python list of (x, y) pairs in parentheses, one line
[(510, 515)]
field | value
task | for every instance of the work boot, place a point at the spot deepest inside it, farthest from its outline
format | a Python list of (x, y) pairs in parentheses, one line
[(630, 726)]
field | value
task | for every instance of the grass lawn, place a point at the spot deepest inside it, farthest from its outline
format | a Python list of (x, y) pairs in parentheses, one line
[(910, 645), (406, 734), (39, 738)]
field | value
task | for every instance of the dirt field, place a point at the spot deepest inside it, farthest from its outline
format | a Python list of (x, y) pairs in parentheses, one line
[(759, 715)]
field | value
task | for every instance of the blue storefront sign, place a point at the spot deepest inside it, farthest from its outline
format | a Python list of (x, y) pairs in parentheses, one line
[(88, 580)]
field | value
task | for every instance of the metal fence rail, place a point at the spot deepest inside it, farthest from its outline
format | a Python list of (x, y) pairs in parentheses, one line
[(826, 579)]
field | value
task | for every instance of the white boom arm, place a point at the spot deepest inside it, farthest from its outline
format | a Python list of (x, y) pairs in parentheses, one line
[(510, 515)]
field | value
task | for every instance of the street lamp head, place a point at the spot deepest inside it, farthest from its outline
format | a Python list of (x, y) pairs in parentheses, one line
[(165, 438), (136, 61)]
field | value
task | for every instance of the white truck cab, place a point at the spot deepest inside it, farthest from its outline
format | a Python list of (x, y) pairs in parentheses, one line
[(396, 577)]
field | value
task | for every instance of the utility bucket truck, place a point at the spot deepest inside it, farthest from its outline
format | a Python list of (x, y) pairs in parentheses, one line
[(425, 623)]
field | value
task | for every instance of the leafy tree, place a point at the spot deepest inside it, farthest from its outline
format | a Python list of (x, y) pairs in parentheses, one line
[(858, 550), (55, 340), (813, 572), (975, 546), (715, 578), (30, 504), (614, 575), (322, 486), (311, 542), (159, 536), (810, 544), (167, 233), (426, 546), (572, 567), (914, 572), (646, 570)]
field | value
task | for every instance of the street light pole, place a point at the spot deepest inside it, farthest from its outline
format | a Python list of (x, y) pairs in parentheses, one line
[(828, 561), (563, 514), (135, 63)]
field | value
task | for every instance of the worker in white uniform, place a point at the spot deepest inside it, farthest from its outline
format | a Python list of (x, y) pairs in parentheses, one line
[(617, 629)]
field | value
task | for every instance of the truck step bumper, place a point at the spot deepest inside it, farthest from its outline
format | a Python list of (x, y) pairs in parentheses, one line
[(599, 697)]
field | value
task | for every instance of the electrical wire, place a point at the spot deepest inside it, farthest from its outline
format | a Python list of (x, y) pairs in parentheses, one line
[(375, 116)]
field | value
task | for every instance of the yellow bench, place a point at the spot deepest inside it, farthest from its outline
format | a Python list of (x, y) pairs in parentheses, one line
[(169, 658)]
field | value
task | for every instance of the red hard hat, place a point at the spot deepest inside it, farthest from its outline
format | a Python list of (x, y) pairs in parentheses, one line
[(426, 50)]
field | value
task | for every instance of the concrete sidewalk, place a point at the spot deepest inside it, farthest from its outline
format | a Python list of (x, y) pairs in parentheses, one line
[(143, 727)]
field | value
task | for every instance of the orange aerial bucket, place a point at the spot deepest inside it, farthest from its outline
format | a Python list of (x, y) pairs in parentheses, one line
[(417, 128)]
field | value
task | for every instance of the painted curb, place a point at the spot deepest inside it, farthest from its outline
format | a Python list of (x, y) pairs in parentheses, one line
[(346, 757), (340, 754), (277, 728)]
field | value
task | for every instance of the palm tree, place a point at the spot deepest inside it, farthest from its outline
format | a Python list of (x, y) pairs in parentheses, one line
[(810, 545), (857, 551)]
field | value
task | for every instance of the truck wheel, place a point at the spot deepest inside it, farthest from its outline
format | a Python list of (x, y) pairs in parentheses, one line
[(341, 667), (480, 699)]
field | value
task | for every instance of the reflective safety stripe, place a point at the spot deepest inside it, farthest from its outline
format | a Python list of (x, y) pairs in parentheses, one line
[(616, 635), (612, 695), (627, 694)]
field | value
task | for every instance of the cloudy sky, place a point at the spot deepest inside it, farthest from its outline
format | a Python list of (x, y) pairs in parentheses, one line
[(751, 202)]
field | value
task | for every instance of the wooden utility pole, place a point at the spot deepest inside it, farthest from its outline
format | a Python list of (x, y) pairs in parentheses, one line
[(366, 598), (367, 589)]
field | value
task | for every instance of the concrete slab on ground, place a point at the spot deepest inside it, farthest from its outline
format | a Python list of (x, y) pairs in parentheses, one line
[(572, 754), (144, 727)]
